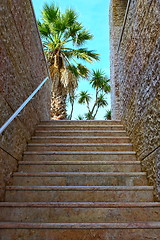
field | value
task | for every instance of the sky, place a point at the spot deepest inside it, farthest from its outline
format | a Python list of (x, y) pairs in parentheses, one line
[(94, 15)]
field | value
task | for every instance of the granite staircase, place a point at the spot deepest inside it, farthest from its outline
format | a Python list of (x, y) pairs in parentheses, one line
[(79, 180)]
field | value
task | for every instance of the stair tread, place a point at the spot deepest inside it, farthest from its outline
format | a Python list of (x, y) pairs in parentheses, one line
[(78, 162), (82, 152), (82, 204), (79, 125), (96, 174), (111, 225), (82, 131), (78, 137), (81, 188), (79, 144), (80, 121)]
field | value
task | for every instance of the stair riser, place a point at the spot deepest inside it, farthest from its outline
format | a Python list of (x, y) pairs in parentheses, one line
[(70, 215), (79, 196), (80, 148), (79, 128), (112, 219), (81, 181), (80, 168), (80, 140), (85, 157), (72, 234), (86, 122), (80, 133)]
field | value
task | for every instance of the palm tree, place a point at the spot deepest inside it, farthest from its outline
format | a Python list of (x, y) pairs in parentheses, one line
[(108, 115), (101, 85), (80, 117), (88, 116), (63, 37), (84, 97), (100, 102)]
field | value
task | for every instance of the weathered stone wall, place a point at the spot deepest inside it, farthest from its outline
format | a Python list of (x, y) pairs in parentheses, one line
[(22, 69), (138, 82), (117, 13)]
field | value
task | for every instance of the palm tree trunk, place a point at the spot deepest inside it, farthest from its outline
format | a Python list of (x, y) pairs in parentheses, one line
[(95, 104), (96, 112), (58, 103), (72, 107)]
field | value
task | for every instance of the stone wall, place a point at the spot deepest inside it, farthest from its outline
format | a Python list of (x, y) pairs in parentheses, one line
[(137, 77), (117, 13), (22, 69)]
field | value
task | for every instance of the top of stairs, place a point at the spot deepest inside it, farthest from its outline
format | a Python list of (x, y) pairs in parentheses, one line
[(81, 122)]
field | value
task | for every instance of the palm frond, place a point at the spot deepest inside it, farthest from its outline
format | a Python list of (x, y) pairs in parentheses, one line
[(83, 71), (44, 30), (82, 37), (59, 26), (84, 97), (50, 13), (69, 17), (74, 70), (79, 70), (101, 101), (84, 54), (107, 116), (80, 117), (73, 30), (106, 87), (100, 81), (88, 116)]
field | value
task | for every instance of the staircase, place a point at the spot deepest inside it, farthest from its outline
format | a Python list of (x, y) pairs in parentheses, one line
[(79, 180)]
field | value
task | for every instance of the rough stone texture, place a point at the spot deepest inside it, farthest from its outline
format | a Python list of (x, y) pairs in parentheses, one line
[(22, 69), (79, 234), (136, 75), (117, 12)]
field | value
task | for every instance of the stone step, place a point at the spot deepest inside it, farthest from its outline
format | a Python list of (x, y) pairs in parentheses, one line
[(72, 231), (79, 166), (80, 127), (80, 133), (79, 193), (79, 139), (80, 179), (79, 156), (82, 122), (79, 147), (110, 225), (64, 212)]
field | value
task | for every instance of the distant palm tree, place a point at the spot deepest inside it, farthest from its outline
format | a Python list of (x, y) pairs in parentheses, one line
[(108, 115), (101, 102), (88, 116), (101, 84), (62, 37), (80, 117), (84, 97)]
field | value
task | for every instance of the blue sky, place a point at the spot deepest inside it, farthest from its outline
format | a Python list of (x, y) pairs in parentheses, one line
[(94, 15)]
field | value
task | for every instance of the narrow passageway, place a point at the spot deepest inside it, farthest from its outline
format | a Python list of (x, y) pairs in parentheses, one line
[(88, 179)]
